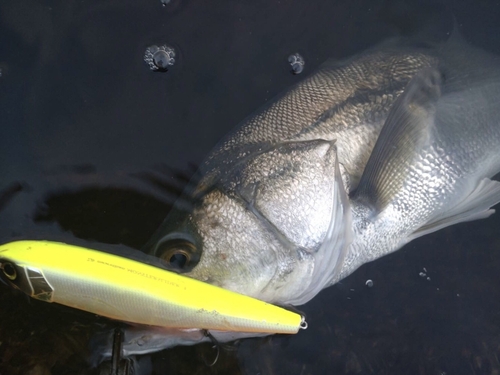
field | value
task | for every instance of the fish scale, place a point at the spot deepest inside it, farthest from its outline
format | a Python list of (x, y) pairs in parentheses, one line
[(340, 97)]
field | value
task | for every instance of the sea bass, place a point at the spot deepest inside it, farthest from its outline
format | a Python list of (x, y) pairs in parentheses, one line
[(348, 166)]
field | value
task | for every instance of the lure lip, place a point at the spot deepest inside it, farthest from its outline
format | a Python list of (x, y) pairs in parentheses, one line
[(123, 289)]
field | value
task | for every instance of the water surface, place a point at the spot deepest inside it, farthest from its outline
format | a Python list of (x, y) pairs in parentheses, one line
[(95, 146)]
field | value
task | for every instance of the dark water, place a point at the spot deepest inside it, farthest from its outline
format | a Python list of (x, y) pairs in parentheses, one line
[(95, 146)]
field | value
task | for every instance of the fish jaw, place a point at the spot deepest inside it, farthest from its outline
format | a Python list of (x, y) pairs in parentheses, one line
[(142, 340)]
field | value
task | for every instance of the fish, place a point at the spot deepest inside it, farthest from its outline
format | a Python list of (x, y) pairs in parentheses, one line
[(134, 291), (351, 164), (357, 160)]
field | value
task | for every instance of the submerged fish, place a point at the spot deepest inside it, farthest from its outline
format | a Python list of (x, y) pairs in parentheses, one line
[(350, 165)]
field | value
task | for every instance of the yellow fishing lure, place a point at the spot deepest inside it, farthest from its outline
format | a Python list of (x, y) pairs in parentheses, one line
[(134, 292)]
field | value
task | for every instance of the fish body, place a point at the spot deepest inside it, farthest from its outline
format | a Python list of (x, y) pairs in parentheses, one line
[(351, 164), (434, 159)]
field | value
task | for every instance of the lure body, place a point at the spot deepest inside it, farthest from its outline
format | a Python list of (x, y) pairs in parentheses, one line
[(135, 292)]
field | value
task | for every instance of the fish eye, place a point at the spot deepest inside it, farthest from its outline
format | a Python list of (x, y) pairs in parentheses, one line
[(9, 271), (178, 258), (179, 254)]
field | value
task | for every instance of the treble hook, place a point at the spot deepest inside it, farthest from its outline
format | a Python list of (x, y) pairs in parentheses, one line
[(119, 365), (215, 343), (117, 351)]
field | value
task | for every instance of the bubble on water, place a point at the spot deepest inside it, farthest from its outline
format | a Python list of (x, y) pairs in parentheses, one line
[(423, 274), (159, 58), (369, 283), (3, 69), (297, 63), (172, 6)]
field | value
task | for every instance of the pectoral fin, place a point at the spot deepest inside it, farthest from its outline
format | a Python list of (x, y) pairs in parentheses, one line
[(405, 131)]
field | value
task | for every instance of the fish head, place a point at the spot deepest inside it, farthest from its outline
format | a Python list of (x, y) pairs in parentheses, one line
[(271, 226)]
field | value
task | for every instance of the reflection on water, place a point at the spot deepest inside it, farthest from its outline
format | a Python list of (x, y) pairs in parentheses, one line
[(85, 125)]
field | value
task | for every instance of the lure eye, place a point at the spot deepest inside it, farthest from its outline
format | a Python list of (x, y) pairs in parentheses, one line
[(179, 254), (9, 271)]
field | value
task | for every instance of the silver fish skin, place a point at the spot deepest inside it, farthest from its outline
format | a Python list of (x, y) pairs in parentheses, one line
[(434, 161), (294, 199)]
